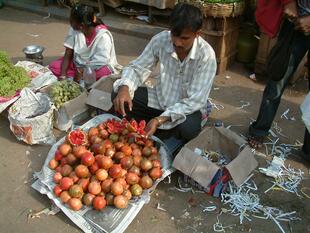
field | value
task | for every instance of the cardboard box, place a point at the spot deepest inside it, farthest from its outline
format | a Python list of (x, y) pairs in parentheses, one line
[(71, 109), (100, 93), (217, 139)]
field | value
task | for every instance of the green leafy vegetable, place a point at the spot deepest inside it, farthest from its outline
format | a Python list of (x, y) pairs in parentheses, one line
[(12, 78)]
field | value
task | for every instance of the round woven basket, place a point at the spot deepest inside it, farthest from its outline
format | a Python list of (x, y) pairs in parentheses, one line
[(223, 9)]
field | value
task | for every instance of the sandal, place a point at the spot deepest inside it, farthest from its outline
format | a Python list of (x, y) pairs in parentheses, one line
[(256, 142)]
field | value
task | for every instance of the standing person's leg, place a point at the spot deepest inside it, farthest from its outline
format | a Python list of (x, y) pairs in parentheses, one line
[(273, 92)]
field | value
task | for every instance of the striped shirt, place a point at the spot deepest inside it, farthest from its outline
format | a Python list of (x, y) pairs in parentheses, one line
[(182, 87), (303, 7)]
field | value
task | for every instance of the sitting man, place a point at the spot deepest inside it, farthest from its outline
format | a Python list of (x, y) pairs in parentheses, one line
[(187, 69)]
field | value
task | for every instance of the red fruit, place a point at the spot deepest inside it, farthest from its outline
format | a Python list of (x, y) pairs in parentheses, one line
[(94, 167), (146, 182), (126, 150), (57, 190), (95, 140), (58, 155), (113, 138), (126, 162), (58, 169), (77, 138), (146, 164), (123, 173), (134, 146), (107, 143), (106, 185), (57, 177), (78, 151), (74, 177), (75, 204), (135, 170), (109, 198), (65, 196), (104, 162), (104, 133), (102, 174), (149, 143), (156, 173), (93, 132), (118, 145), (94, 188), (99, 203), (71, 159), (88, 199), (119, 155), (63, 161), (146, 151), (66, 170), (84, 183), (132, 178), (136, 190), (154, 157), (120, 202), (88, 159), (76, 191), (156, 163), (98, 148), (117, 188), (154, 150), (137, 160), (53, 164), (136, 152), (110, 152), (127, 194), (64, 149), (115, 171), (66, 183), (81, 171), (122, 181)]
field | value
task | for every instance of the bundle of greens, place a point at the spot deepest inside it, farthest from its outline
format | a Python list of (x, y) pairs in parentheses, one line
[(64, 91), (12, 78)]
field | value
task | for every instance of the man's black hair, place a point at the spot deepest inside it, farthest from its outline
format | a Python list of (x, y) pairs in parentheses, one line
[(185, 16), (84, 14)]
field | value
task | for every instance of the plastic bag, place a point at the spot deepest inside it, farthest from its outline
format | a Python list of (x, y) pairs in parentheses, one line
[(305, 109), (31, 118)]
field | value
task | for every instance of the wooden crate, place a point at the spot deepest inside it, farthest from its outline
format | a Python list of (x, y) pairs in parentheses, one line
[(222, 35)]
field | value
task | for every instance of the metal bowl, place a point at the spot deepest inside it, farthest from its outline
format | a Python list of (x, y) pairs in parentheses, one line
[(33, 51)]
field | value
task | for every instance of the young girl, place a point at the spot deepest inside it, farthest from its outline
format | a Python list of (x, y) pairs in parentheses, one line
[(87, 43)]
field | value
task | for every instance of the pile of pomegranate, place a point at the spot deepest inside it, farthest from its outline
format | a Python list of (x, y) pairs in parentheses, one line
[(108, 165)]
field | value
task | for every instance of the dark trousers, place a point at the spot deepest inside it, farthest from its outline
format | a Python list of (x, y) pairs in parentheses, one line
[(274, 89), (140, 111)]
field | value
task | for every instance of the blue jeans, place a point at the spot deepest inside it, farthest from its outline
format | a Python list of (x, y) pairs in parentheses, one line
[(274, 89)]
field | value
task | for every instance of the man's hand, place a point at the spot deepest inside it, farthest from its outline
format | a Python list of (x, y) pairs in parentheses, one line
[(120, 100), (303, 24), (290, 10), (151, 127)]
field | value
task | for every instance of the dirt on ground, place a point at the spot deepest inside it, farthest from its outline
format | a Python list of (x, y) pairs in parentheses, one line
[(183, 210)]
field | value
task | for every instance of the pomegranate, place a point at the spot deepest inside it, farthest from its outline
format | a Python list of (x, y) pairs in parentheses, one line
[(118, 145), (120, 202), (126, 162), (74, 177), (127, 194), (136, 152), (113, 138), (109, 198), (88, 199), (101, 174), (146, 164), (76, 191), (156, 173), (104, 133), (123, 173), (137, 160), (64, 149), (115, 171), (146, 182), (135, 169), (84, 182), (105, 162), (136, 190), (53, 164), (132, 178), (122, 181), (117, 188), (149, 143), (75, 204), (65, 196), (78, 151), (156, 163), (110, 152), (77, 138), (146, 151), (119, 155), (106, 185), (99, 203), (154, 150), (57, 177), (71, 159), (126, 149), (58, 155), (94, 188), (66, 183), (94, 167), (57, 190), (81, 171), (93, 131), (66, 170), (88, 159)]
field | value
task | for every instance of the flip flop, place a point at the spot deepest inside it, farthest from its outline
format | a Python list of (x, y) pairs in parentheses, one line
[(256, 142)]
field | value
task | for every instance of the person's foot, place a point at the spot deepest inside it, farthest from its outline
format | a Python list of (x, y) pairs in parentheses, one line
[(255, 142)]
